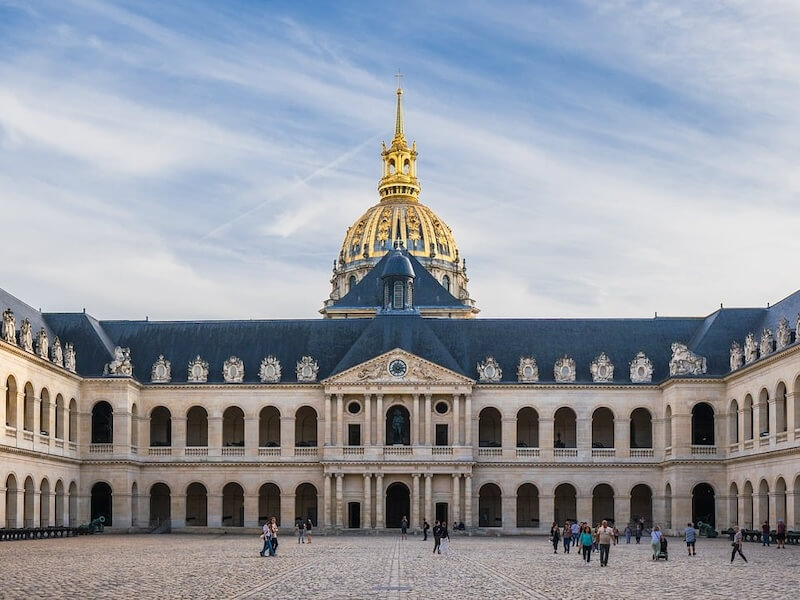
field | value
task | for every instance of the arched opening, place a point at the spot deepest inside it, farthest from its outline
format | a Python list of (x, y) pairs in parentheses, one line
[(780, 500), (11, 502), (44, 412), (196, 505), (747, 494), (565, 428), (702, 424), (780, 408), (27, 408), (602, 503), (733, 422), (44, 504), (197, 427), (490, 433), (269, 428), (73, 504), (100, 505), (233, 426), (398, 504), (763, 413), (733, 504), (134, 504), (668, 427), (27, 503), (351, 282), (269, 503), (446, 282), (642, 503), (160, 427), (59, 417), (73, 421), (398, 426), (305, 502), (527, 505), (703, 504), (305, 427), (527, 428), (796, 524), (641, 428), (59, 503), (763, 502), (159, 505), (602, 428), (565, 503), (232, 505), (11, 401), (668, 506), (490, 506), (748, 417), (102, 423)]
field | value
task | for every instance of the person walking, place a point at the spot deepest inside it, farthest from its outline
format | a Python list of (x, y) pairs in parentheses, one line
[(555, 536), (576, 534), (273, 530), (309, 527), (655, 541), (691, 536), (616, 535), (403, 528), (586, 544), (445, 539), (737, 544), (437, 537), (639, 529), (765, 534), (780, 535), (301, 531), (628, 533), (605, 535), (266, 535), (567, 537), (425, 528)]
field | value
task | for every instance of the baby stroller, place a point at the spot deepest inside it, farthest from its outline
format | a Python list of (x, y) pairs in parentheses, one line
[(662, 553)]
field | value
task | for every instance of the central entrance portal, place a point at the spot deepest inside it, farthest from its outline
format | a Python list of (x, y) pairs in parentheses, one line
[(398, 505)]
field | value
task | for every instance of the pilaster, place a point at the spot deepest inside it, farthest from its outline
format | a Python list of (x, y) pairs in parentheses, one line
[(456, 420), (416, 513), (379, 499), (366, 508)]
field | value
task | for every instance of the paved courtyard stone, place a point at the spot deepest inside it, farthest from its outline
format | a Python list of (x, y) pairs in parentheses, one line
[(366, 567)]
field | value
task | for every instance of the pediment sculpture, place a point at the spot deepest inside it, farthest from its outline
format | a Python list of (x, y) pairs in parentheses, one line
[(641, 369), (26, 336), (162, 371), (307, 369), (737, 356), (373, 371), (421, 370), (527, 370), (564, 370), (42, 345), (783, 336), (766, 342), (233, 370), (9, 327), (686, 362), (121, 365), (602, 369), (57, 353), (489, 370), (198, 370), (69, 357), (750, 348), (270, 370)]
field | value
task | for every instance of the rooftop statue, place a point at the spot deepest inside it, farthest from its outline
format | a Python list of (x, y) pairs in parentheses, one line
[(9, 327), (750, 348), (69, 357), (737, 356), (784, 334), (121, 365), (641, 369), (767, 340), (26, 336), (42, 344), (57, 353), (685, 362)]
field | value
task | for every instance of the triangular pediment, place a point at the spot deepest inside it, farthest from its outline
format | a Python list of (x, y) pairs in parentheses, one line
[(398, 367)]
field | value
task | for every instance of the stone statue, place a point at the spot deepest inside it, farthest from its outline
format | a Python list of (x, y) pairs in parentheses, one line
[(766, 342), (602, 369), (564, 370), (9, 327), (784, 335), (398, 426), (69, 357), (737, 356), (26, 336), (57, 353), (42, 344), (641, 369), (686, 362), (121, 365), (750, 349), (162, 371), (527, 370)]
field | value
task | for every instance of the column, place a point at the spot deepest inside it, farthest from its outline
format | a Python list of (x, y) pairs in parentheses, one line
[(213, 508), (456, 497), (367, 429), (121, 510), (428, 506), (251, 510), (622, 438), (178, 425), (681, 509), (428, 438), (547, 510), (622, 510), (287, 433), (326, 500), (414, 419), (740, 521), (792, 521), (339, 499), (366, 508), (379, 524), (20, 516), (380, 424), (51, 505), (177, 510), (251, 435), (214, 440), (456, 420), (416, 513), (583, 505), (288, 513), (468, 500), (327, 425), (2, 497), (468, 420), (340, 420), (37, 502), (546, 438)]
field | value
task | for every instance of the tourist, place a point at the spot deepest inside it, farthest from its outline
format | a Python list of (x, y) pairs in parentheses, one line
[(780, 535), (690, 535), (655, 541), (567, 537), (628, 533), (765, 534), (576, 533), (301, 531), (425, 527), (595, 546), (605, 535), (445, 538), (586, 543), (266, 534), (437, 537), (555, 536), (403, 528), (616, 535), (639, 529), (273, 529), (737, 544), (309, 527)]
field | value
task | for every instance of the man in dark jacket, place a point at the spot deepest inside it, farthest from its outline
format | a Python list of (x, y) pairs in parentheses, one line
[(425, 528), (437, 537)]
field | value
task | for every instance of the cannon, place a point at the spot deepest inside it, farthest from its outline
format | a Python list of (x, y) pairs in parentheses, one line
[(94, 526), (706, 530)]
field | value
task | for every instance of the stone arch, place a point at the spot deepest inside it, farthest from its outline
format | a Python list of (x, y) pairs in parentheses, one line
[(763, 502), (490, 428), (233, 505), (668, 506), (233, 426), (102, 423), (747, 509), (733, 504), (73, 504), (101, 502), (565, 424), (196, 505), (733, 422), (45, 427), (305, 502), (780, 499), (269, 428), (641, 428), (60, 413), (565, 503), (28, 407), (704, 504), (490, 505), (269, 502), (747, 409), (702, 424), (160, 500), (73, 421), (11, 401), (59, 501), (642, 503), (527, 505), (44, 503), (27, 507), (305, 427), (527, 428), (197, 427), (781, 422), (160, 426), (602, 503), (11, 501), (398, 426), (603, 428)]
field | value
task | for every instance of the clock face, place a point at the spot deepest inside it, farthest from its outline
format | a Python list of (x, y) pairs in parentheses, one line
[(397, 368)]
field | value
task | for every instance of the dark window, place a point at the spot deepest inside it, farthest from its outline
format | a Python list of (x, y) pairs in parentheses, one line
[(441, 434), (354, 435)]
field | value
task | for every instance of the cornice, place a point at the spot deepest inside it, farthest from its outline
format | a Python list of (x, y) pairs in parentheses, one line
[(767, 360), (16, 350), (40, 455)]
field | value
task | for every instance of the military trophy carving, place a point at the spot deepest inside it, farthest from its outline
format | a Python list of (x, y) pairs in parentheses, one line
[(527, 370), (685, 362), (641, 369), (737, 356), (489, 370), (161, 371), (270, 370), (121, 365), (197, 370), (602, 369), (233, 370), (564, 370), (307, 369)]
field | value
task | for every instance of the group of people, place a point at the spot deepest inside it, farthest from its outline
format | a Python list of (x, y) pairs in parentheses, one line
[(441, 535), (269, 533), (582, 536)]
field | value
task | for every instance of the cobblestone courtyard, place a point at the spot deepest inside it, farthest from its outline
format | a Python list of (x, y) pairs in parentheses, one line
[(228, 566)]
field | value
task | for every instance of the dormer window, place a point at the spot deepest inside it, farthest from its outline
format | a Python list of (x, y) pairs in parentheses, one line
[(397, 301)]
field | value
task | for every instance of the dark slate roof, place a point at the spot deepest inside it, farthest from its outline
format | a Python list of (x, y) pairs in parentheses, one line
[(398, 264), (428, 293)]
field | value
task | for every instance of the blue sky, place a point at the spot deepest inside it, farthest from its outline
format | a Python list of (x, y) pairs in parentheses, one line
[(192, 160)]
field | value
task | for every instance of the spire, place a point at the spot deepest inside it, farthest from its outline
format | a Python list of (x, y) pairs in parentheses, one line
[(399, 180), (398, 125)]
